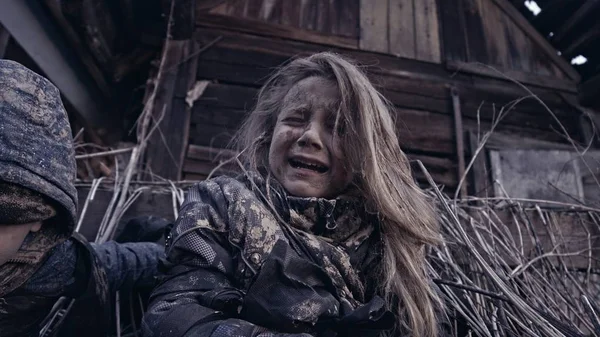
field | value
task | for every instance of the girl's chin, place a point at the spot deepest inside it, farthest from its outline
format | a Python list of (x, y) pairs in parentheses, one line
[(303, 189)]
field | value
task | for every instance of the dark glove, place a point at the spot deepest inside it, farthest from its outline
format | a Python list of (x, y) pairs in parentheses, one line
[(144, 229)]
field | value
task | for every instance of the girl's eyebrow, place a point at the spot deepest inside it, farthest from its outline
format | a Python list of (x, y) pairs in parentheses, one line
[(298, 107)]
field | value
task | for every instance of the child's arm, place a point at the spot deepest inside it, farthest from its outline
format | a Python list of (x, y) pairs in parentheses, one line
[(198, 296)]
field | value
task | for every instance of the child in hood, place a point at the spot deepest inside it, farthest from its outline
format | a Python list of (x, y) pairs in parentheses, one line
[(41, 260), (324, 233)]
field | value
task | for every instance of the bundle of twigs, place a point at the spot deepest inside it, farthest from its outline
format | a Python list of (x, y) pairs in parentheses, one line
[(499, 279)]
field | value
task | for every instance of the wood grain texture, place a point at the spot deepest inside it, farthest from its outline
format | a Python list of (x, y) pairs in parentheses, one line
[(402, 28), (374, 25), (538, 39), (167, 145), (475, 31), (427, 37), (327, 17), (258, 27), (454, 38)]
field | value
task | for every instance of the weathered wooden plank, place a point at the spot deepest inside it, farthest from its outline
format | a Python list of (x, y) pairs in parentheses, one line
[(374, 18), (442, 170), (233, 73), (289, 13), (494, 34), (212, 135), (519, 47), (453, 30), (308, 14), (270, 11), (427, 37), (387, 64), (528, 78), (203, 153), (166, 146), (459, 134), (480, 183), (252, 8), (528, 115), (232, 96), (474, 28), (183, 19), (348, 17), (538, 39), (324, 19), (266, 29), (402, 28)]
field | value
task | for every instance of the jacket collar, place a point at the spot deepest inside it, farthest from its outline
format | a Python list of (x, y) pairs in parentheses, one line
[(343, 220)]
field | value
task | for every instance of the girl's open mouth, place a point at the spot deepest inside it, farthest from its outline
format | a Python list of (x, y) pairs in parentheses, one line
[(309, 166)]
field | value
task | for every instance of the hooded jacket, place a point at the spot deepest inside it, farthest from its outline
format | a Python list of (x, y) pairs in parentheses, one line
[(246, 259), (36, 152)]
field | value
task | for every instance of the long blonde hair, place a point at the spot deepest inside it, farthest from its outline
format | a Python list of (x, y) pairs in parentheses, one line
[(382, 176)]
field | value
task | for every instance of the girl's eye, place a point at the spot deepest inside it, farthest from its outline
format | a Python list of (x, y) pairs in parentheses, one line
[(294, 120)]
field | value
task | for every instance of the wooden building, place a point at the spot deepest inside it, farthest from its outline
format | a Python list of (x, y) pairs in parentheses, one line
[(453, 69), (459, 72)]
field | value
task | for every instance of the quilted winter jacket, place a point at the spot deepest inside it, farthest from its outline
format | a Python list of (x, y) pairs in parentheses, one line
[(241, 266)]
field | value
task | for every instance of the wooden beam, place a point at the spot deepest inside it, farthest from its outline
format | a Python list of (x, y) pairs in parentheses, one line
[(586, 8), (581, 41), (528, 78), (4, 38), (541, 42), (30, 25), (76, 43), (166, 149), (167, 146), (480, 182), (257, 27), (460, 143)]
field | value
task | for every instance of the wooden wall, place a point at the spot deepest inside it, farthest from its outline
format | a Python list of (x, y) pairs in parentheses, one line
[(402, 28), (494, 33), (239, 43), (328, 17), (457, 33), (238, 64)]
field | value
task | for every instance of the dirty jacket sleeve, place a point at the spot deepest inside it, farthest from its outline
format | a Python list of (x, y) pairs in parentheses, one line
[(198, 295)]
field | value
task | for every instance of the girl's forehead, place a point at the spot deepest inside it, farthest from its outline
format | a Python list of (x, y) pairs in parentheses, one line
[(314, 91)]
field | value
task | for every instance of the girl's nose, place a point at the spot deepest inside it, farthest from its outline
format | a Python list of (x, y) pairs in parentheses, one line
[(311, 137)]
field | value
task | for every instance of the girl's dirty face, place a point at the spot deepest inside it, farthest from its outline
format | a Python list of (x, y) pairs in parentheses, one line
[(304, 155)]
